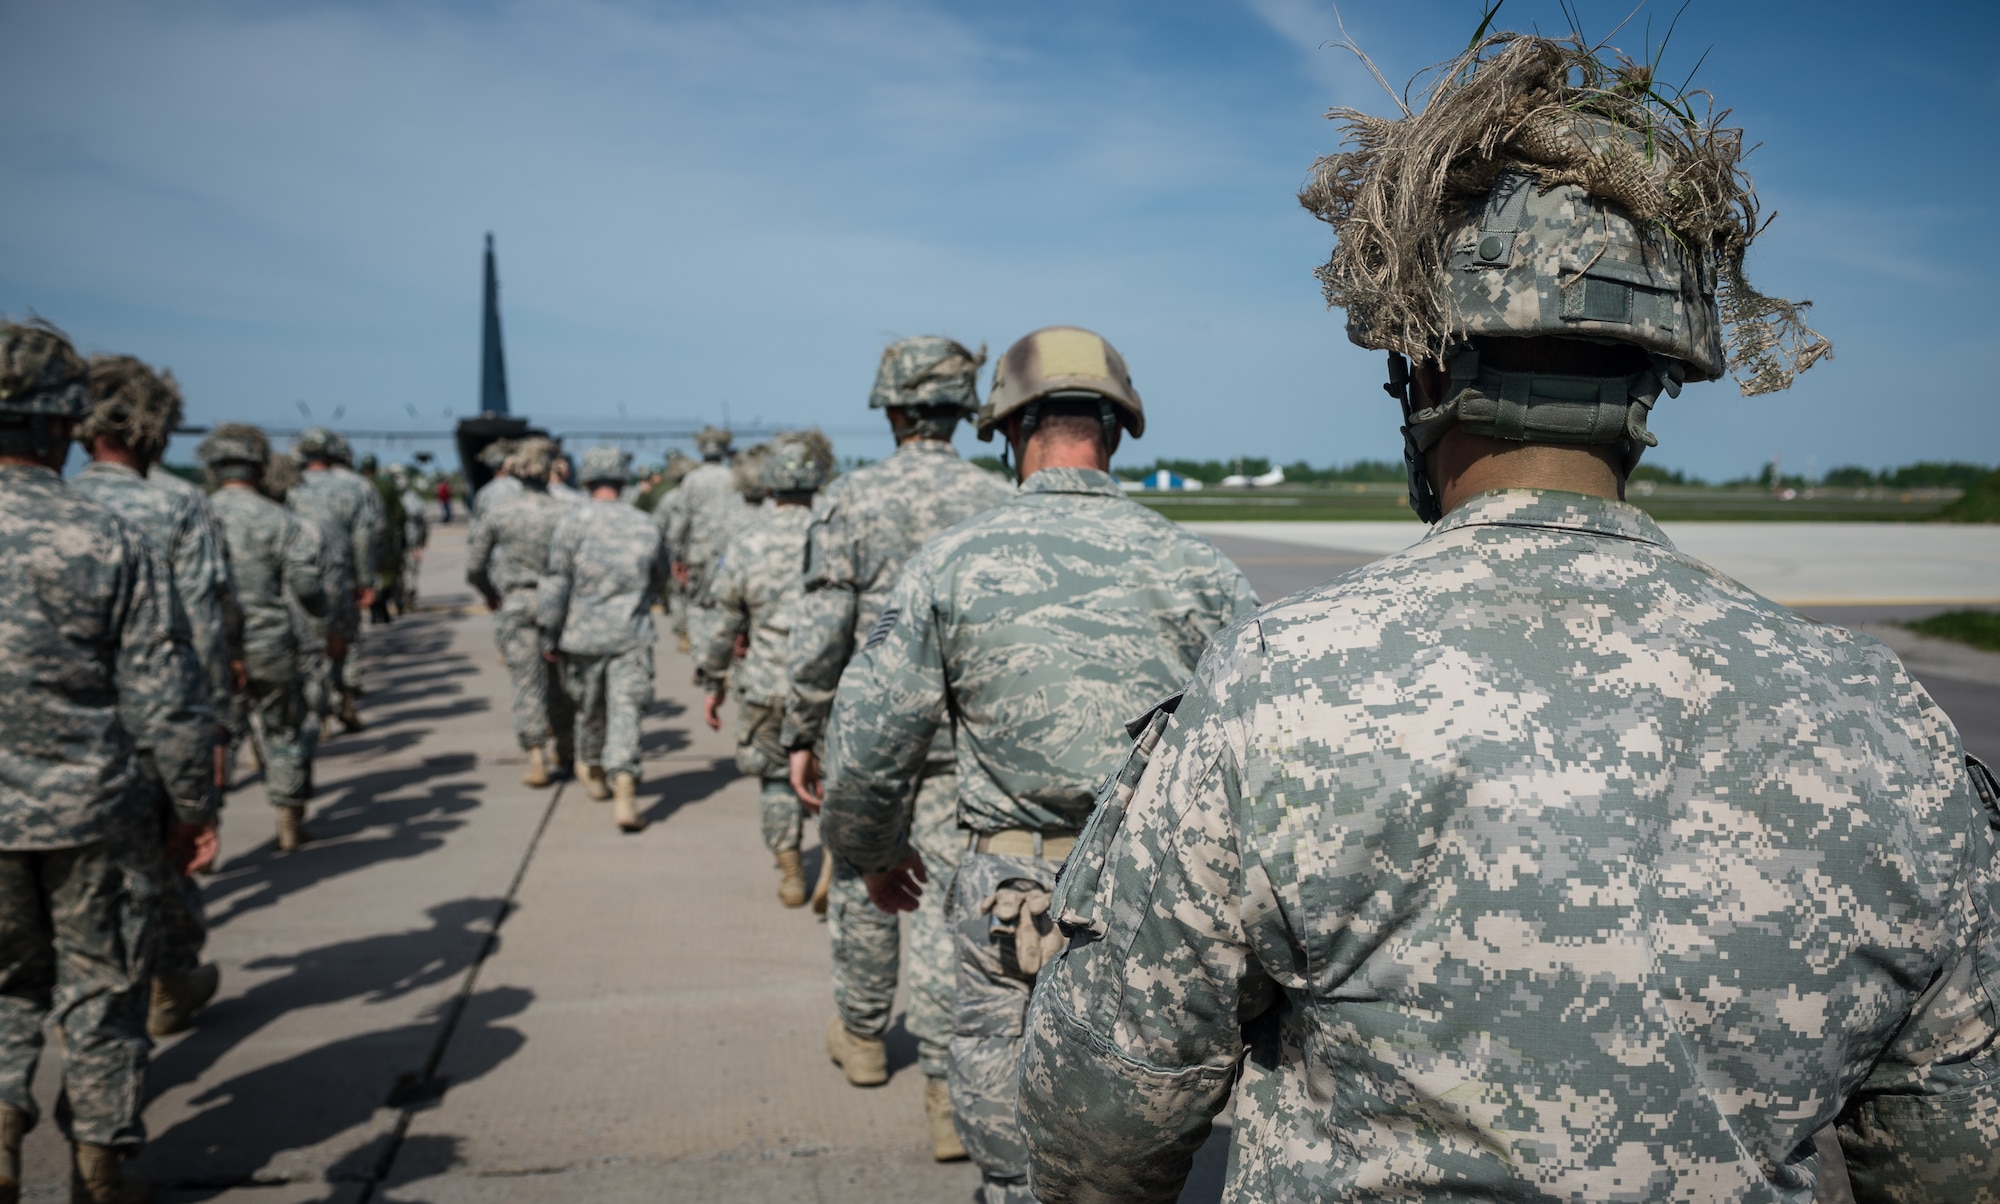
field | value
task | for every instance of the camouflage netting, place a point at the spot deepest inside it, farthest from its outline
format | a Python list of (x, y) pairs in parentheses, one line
[(281, 475), (132, 404), (532, 458), (746, 472), (799, 462), (1530, 104), (40, 371)]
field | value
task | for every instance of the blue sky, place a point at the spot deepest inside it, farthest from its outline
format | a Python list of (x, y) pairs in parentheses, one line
[(700, 205)]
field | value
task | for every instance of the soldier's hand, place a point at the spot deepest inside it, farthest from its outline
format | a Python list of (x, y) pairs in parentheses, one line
[(741, 648), (192, 847), (899, 889), (680, 571), (805, 780), (240, 674), (711, 712), (364, 596)]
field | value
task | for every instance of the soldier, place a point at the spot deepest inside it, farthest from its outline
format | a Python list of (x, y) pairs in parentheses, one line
[(416, 535), (495, 456), (755, 591), (1538, 861), (389, 550), (1032, 627), (276, 559), (606, 568), (559, 473), (697, 520), (865, 526), (133, 412), (504, 562), (349, 516), (96, 681)]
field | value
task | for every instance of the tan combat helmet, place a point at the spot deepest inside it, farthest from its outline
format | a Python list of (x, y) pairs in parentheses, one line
[(1061, 363), (132, 404)]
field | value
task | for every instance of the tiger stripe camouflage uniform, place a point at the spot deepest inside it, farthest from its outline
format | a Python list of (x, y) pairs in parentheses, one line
[(1538, 861), (192, 566), (866, 525), (95, 677), (1039, 626), (605, 569), (755, 594), (276, 560), (508, 551)]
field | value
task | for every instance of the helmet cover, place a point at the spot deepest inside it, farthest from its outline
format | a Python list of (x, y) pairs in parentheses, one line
[(713, 442), (606, 465), (315, 443), (798, 462), (132, 404), (235, 443), (40, 371), (928, 372)]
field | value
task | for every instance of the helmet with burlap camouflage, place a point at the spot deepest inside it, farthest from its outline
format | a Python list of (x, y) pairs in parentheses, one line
[(713, 442), (494, 455), (1062, 363), (746, 472), (676, 467), (131, 404), (532, 458), (315, 443), (605, 465), (40, 371), (235, 451), (1543, 193), (281, 475), (928, 372), (798, 462)]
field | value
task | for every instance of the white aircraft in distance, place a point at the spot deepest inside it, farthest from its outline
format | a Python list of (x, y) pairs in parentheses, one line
[(1261, 481)]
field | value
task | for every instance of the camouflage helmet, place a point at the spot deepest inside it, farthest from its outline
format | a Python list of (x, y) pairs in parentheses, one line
[(928, 372), (235, 449), (369, 463), (132, 404), (40, 371), (281, 476), (532, 458), (746, 472), (1061, 363), (677, 465), (315, 443), (338, 449), (494, 455), (797, 462), (713, 442), (605, 465)]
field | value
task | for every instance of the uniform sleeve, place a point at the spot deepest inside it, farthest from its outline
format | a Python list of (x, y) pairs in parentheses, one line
[(368, 535), (822, 639), (1135, 1033), (729, 594), (162, 698), (558, 578), (478, 554), (201, 575), (302, 567), (1925, 1124), (889, 706)]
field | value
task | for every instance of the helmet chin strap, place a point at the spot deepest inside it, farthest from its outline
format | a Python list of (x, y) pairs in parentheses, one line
[(1423, 493)]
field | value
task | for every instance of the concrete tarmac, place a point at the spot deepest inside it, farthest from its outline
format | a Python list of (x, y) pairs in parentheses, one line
[(467, 989)]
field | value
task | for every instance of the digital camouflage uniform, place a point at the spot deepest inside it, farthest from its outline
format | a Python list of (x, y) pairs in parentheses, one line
[(697, 520), (276, 559), (1537, 862), (492, 493), (865, 526), (96, 677), (605, 569), (508, 550), (416, 536), (755, 593), (1037, 629), (191, 565), (346, 510)]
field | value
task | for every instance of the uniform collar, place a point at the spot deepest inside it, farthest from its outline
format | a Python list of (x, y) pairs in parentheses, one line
[(112, 468), (1555, 510), (30, 472), (927, 447), (1073, 480)]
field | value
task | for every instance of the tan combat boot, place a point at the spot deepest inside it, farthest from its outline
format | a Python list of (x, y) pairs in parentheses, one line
[(945, 1145), (824, 887), (177, 997), (538, 768), (350, 718), (98, 1176), (791, 879), (292, 828), (625, 803), (865, 1059), (13, 1127), (592, 777)]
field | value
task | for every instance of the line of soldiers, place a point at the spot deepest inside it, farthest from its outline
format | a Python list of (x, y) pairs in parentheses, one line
[(151, 629)]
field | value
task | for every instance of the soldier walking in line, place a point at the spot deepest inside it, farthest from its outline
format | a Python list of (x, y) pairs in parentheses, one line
[(606, 567), (349, 517), (697, 520), (495, 456), (275, 559), (1539, 860), (98, 678), (133, 413), (755, 591), (389, 549), (864, 527), (416, 535), (1034, 629), (504, 562)]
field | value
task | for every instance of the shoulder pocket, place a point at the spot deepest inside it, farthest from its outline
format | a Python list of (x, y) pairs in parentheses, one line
[(1075, 903)]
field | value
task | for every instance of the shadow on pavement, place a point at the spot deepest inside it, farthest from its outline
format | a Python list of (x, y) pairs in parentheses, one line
[(669, 794)]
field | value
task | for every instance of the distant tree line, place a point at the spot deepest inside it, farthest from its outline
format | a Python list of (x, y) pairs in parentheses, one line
[(1211, 472)]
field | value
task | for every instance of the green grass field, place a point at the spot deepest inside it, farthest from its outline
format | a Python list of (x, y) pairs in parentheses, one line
[(1979, 628), (1669, 503)]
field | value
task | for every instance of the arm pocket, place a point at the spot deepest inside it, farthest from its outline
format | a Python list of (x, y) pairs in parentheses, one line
[(1075, 904)]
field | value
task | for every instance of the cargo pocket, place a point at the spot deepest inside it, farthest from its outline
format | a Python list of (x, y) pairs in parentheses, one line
[(1075, 903)]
